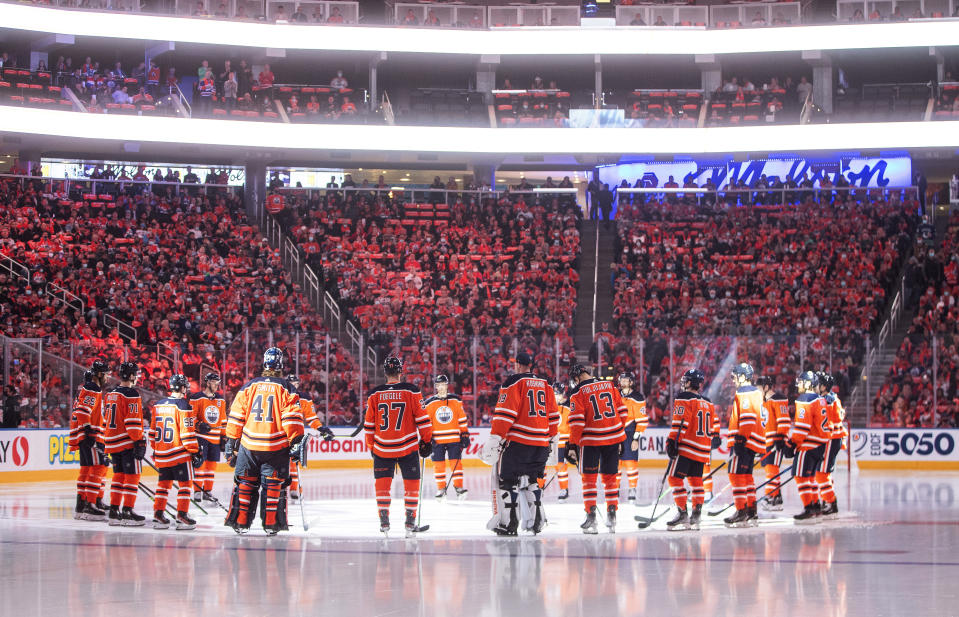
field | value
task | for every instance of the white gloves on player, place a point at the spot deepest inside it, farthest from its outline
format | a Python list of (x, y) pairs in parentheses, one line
[(491, 449)]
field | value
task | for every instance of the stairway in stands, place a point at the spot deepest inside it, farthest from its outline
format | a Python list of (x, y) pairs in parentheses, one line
[(885, 357), (595, 294)]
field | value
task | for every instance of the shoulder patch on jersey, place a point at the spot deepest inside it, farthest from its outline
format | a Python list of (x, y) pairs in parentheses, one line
[(502, 398)]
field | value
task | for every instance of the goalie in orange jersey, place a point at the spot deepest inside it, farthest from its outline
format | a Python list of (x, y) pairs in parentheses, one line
[(264, 431)]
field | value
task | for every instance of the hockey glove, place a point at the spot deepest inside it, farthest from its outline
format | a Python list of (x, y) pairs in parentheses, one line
[(672, 448), (715, 442), (464, 440), (426, 448), (572, 454), (140, 450), (202, 428), (325, 433), (231, 450), (491, 449), (789, 449), (87, 442), (222, 442), (295, 447), (739, 445), (197, 458)]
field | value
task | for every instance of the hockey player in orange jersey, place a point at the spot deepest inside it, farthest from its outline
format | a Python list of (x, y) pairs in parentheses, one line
[(398, 433), (522, 435), (836, 416), (310, 420), (175, 452), (125, 443), (636, 423), (451, 435), (264, 430), (776, 421), (562, 467), (86, 437), (746, 439), (689, 447), (807, 442), (209, 409), (596, 420)]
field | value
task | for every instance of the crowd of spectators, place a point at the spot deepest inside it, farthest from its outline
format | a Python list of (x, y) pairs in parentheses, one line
[(779, 286), (500, 269), (906, 396), (188, 273)]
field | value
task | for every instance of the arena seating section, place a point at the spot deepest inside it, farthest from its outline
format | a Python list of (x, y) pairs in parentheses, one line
[(906, 395), (753, 279), (503, 270), (190, 273)]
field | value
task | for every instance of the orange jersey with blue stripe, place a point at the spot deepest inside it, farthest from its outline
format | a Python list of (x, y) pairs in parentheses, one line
[(811, 426), (212, 410), (775, 418), (172, 432), (266, 415), (123, 419), (395, 420), (526, 411), (745, 419), (447, 417), (597, 415), (636, 412), (693, 426), (87, 417)]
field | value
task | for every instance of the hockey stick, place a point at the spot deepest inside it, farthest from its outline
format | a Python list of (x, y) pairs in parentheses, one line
[(729, 505), (152, 495), (304, 449), (193, 501), (643, 522), (708, 476), (419, 504), (725, 488), (209, 496), (452, 473)]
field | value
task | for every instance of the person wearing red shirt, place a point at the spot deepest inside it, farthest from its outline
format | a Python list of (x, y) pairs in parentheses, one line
[(265, 78)]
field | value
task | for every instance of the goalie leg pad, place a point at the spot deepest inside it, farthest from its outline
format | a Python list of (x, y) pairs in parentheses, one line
[(243, 501)]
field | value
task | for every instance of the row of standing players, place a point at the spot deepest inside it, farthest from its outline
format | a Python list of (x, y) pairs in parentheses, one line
[(597, 430), (187, 433)]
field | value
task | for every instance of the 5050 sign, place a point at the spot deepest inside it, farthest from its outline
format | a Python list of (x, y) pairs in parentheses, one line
[(898, 444)]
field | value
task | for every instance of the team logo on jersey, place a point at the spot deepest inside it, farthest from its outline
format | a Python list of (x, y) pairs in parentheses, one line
[(444, 415), (212, 414)]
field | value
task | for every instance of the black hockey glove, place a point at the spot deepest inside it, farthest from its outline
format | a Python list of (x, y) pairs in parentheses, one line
[(222, 442), (326, 433), (426, 448), (739, 445), (202, 428), (197, 458), (779, 442), (672, 448), (715, 442), (231, 450), (88, 442), (464, 440), (295, 448), (789, 449), (140, 450), (572, 454)]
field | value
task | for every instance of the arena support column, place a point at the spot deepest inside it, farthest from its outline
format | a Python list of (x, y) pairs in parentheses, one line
[(486, 76), (822, 78), (254, 189), (936, 54), (711, 71), (374, 69)]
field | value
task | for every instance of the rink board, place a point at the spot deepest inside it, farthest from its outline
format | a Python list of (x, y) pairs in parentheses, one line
[(31, 455)]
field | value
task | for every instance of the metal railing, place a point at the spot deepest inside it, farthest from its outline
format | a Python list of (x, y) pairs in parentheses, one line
[(769, 196)]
